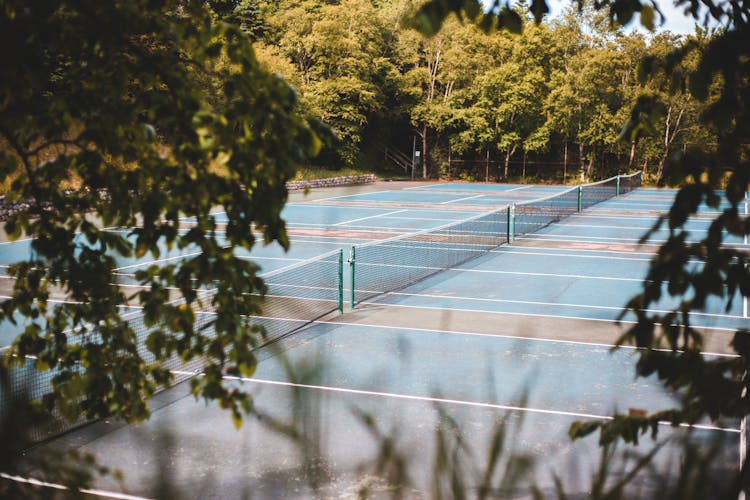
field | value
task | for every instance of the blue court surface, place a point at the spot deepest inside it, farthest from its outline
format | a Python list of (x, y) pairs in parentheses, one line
[(519, 336)]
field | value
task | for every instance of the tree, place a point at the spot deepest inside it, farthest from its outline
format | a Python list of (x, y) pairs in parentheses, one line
[(135, 114), (249, 17), (671, 346), (679, 113), (339, 49), (424, 80)]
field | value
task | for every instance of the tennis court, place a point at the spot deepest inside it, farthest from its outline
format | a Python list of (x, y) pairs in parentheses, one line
[(473, 303)]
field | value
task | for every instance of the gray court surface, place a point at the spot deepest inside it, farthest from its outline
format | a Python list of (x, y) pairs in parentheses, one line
[(516, 343)]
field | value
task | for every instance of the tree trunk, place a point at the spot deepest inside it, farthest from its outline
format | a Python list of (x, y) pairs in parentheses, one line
[(631, 160), (581, 163), (432, 68), (660, 168), (590, 168), (450, 166), (669, 136), (565, 164), (510, 151), (487, 168)]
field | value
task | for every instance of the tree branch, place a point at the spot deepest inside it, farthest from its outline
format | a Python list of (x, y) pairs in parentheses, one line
[(24, 156)]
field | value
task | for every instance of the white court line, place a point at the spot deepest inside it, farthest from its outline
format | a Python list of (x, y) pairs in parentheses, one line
[(462, 199), (54, 301), (596, 239), (368, 217), (536, 315), (428, 219), (576, 255), (583, 237), (241, 257), (426, 188), (325, 240), (351, 195), (411, 209), (159, 261), (459, 402), (588, 239), (312, 205), (520, 273), (19, 240), (511, 337), (363, 229), (594, 215), (548, 275), (650, 208), (567, 223), (476, 334), (257, 257), (553, 304), (44, 484), (396, 230), (192, 218)]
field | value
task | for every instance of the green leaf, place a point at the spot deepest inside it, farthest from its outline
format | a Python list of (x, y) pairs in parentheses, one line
[(13, 228), (578, 429), (8, 165), (647, 17), (510, 20), (430, 17), (539, 9)]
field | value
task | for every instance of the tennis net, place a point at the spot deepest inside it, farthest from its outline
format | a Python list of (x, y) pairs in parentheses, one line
[(295, 297), (629, 182), (393, 264)]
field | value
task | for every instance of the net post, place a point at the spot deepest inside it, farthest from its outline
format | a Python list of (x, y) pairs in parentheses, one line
[(580, 198), (352, 259), (617, 190), (341, 280), (509, 225)]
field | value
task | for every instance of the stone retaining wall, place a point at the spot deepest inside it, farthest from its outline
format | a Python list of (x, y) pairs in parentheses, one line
[(7, 209), (346, 180)]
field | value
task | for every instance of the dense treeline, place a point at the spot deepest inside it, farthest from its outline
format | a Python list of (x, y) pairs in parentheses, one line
[(550, 101)]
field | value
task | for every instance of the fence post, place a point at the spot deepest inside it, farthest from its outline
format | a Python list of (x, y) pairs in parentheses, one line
[(580, 198), (617, 191), (511, 225), (352, 260), (341, 280)]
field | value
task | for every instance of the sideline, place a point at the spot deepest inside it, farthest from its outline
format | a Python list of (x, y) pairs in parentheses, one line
[(54, 486)]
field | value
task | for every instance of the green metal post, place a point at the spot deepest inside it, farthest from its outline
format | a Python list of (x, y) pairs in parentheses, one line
[(510, 224), (352, 260), (617, 191), (580, 198), (341, 281)]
